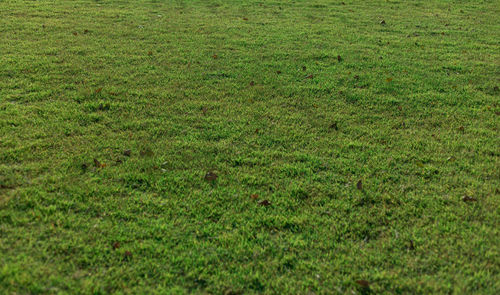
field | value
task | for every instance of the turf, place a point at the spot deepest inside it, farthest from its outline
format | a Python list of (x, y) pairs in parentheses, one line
[(240, 147)]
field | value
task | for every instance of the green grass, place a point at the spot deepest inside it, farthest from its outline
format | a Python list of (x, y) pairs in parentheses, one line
[(411, 109)]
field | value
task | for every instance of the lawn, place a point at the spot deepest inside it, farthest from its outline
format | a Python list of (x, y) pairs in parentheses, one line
[(242, 146)]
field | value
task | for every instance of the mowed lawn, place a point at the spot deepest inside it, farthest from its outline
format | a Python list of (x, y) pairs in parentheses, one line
[(241, 147)]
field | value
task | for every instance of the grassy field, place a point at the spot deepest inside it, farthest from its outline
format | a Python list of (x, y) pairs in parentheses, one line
[(240, 147)]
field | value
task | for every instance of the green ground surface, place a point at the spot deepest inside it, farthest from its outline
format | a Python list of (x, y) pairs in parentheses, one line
[(367, 131)]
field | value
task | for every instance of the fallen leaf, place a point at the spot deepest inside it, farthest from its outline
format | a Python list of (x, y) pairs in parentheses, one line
[(469, 199), (388, 80), (210, 176), (363, 283), (75, 34), (309, 77), (461, 128), (85, 31), (215, 56), (98, 90), (278, 72), (359, 185), (257, 131), (245, 18), (99, 164), (254, 196), (265, 203), (339, 58), (116, 245), (127, 153)]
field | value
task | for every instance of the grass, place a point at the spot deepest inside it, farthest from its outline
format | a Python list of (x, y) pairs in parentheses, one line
[(367, 133)]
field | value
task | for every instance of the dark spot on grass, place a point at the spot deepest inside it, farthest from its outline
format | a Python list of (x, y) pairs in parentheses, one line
[(469, 199), (265, 203)]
